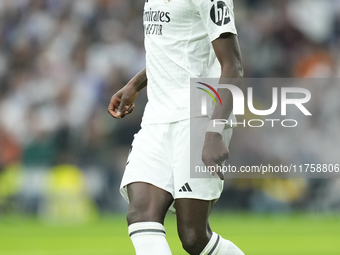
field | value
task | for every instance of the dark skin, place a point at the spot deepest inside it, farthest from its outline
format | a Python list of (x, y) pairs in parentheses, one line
[(121, 103), (149, 203), (228, 53)]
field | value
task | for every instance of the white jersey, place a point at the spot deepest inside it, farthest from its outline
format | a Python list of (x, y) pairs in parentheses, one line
[(178, 36)]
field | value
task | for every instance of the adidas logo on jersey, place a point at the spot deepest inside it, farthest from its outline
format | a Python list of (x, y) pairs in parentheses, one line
[(185, 188)]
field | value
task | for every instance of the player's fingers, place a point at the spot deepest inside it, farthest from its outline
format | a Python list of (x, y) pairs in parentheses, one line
[(113, 110), (227, 156), (121, 107), (127, 110), (219, 172), (209, 165), (220, 175), (131, 108), (212, 166), (215, 164)]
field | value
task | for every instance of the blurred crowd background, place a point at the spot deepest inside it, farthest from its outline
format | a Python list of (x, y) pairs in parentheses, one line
[(61, 154)]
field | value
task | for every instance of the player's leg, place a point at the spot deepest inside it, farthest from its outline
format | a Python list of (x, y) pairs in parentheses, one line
[(192, 224), (147, 203), (148, 187), (194, 230), (146, 213)]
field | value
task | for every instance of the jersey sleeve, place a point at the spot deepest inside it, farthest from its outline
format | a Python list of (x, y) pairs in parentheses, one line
[(217, 16)]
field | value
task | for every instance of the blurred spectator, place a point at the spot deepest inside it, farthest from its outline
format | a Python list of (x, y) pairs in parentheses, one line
[(66, 200), (10, 151)]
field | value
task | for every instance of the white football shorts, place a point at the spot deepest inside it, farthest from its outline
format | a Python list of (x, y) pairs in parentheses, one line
[(160, 156)]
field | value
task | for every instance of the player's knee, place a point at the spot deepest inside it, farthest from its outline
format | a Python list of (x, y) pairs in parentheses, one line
[(135, 215), (142, 214), (192, 242), (131, 217), (191, 245)]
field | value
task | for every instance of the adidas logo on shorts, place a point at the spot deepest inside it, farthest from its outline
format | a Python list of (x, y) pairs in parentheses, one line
[(185, 188)]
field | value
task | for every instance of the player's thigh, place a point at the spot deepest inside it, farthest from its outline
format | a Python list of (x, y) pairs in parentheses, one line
[(147, 203)]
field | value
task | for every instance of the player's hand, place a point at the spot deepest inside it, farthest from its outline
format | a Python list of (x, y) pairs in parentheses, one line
[(214, 152), (121, 103)]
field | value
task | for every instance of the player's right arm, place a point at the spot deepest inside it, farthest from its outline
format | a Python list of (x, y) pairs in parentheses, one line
[(121, 103)]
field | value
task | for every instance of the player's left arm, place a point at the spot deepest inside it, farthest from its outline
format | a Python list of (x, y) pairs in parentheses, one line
[(228, 53)]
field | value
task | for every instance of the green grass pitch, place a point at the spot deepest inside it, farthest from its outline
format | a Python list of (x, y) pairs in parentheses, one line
[(302, 234)]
